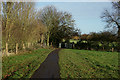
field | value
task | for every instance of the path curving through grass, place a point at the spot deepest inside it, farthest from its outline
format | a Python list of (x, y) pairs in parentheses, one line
[(49, 68)]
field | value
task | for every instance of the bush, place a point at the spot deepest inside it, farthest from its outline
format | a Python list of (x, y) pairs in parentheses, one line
[(97, 45)]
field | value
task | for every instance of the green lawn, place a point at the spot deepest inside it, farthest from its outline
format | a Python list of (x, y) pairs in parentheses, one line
[(23, 66), (88, 64)]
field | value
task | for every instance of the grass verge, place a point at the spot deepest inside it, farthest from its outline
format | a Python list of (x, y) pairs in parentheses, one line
[(88, 64), (23, 65)]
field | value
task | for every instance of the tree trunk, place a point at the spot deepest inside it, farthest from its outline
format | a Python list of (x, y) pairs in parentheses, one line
[(119, 33), (31, 44), (6, 48), (16, 48), (48, 40), (118, 38), (42, 39)]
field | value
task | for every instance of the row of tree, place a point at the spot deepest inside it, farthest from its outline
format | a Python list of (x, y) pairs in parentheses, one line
[(23, 25), (99, 41), (100, 36), (20, 25)]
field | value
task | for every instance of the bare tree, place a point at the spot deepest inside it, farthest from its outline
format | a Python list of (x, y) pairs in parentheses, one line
[(112, 18)]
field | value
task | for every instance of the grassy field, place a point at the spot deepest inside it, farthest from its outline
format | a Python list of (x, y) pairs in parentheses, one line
[(23, 66), (88, 64)]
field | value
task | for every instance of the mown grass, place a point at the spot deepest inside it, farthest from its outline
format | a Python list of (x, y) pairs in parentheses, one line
[(24, 65), (88, 64)]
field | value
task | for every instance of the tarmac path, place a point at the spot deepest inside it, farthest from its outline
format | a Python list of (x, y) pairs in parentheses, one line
[(49, 68)]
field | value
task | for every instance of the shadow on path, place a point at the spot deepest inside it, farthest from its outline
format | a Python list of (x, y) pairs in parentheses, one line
[(49, 68)]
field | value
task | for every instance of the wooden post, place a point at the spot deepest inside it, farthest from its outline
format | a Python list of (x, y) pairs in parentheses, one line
[(59, 45), (16, 48), (23, 46), (112, 49), (6, 49), (28, 45), (51, 44), (103, 48), (87, 48), (73, 45)]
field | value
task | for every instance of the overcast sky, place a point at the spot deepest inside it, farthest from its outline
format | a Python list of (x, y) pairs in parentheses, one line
[(86, 14)]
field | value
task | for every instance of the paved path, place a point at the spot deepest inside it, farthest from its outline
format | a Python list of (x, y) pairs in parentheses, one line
[(49, 68)]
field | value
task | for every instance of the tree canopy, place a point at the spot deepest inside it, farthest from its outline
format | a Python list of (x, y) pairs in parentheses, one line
[(23, 24), (59, 24)]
